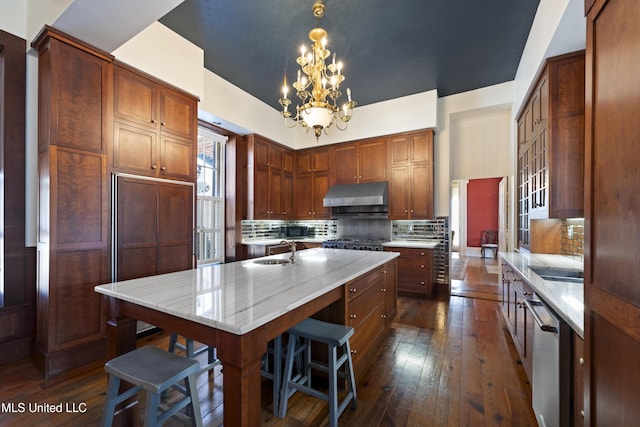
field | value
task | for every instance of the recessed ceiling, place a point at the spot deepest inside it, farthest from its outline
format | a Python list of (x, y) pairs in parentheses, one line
[(389, 49)]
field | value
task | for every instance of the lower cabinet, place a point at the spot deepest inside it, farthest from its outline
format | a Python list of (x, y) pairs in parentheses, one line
[(415, 269), (371, 306), (577, 383), (519, 320)]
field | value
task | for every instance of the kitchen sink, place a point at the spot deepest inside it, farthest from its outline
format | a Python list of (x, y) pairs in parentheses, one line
[(559, 274), (271, 261)]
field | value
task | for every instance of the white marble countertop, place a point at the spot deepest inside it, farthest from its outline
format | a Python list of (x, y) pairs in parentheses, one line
[(241, 296), (421, 244), (565, 298)]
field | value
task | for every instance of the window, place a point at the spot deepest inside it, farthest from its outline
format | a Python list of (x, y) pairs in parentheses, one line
[(210, 197)]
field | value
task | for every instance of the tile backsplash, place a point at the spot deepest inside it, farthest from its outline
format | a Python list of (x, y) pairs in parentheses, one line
[(572, 239), (417, 229), (265, 230)]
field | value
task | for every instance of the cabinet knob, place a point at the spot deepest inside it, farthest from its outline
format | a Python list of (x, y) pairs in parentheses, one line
[(422, 282), (421, 265), (383, 271), (163, 168), (162, 124), (405, 211), (383, 316), (353, 290), (411, 210), (153, 166), (353, 316), (421, 253), (383, 290), (581, 361), (355, 177), (581, 413), (354, 351), (360, 177), (153, 120), (525, 293)]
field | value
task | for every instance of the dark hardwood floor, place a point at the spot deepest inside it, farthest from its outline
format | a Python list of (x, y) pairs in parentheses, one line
[(448, 361)]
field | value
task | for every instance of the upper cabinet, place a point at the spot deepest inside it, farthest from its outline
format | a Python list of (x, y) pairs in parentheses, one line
[(312, 183), (411, 175), (362, 161), (154, 129), (270, 180), (551, 145)]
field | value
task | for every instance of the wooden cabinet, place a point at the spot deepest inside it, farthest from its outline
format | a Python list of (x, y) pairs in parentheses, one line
[(154, 128), (155, 227), (74, 203), (551, 145), (311, 183), (415, 270), (270, 180), (361, 161), (612, 226), (371, 306), (577, 384), (518, 319), (411, 176)]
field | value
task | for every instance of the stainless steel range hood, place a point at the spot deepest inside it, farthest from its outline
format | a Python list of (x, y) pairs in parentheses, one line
[(366, 200)]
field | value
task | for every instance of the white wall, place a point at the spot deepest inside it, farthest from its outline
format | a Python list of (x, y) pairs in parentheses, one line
[(13, 18), (161, 52)]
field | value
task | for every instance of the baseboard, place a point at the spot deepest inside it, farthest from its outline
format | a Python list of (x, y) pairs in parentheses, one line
[(68, 359)]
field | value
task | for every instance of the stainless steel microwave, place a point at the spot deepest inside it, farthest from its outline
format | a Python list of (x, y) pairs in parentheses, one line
[(294, 231)]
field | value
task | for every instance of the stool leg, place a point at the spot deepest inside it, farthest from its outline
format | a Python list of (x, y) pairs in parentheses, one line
[(333, 386), (196, 416), (151, 409), (110, 401), (189, 346), (288, 368), (352, 380), (277, 374), (172, 343)]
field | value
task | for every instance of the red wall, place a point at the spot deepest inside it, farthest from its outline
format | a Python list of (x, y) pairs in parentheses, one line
[(482, 208)]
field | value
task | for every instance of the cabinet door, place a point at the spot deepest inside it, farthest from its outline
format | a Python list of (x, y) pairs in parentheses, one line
[(398, 150), (345, 167), (137, 237), (287, 161), (304, 161), (175, 227), (178, 114), (399, 188), (275, 193), (320, 188), (134, 98), (372, 161), (177, 158), (304, 196), (287, 196), (260, 191), (391, 299), (421, 147), (421, 184), (134, 149), (321, 160)]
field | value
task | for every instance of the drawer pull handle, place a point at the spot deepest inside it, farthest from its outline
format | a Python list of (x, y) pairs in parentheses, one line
[(353, 290), (354, 351), (383, 316), (353, 316)]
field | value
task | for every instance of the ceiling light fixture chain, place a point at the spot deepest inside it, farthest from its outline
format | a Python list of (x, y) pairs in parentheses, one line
[(318, 86)]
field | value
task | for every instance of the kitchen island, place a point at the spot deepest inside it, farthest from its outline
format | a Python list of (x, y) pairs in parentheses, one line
[(238, 307)]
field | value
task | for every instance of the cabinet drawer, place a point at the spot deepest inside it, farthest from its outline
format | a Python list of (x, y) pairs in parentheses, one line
[(412, 252), (366, 333), (357, 287), (359, 309)]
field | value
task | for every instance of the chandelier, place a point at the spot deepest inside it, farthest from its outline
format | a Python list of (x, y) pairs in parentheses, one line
[(317, 86)]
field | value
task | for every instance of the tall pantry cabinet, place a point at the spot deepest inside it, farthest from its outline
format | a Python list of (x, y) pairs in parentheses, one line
[(612, 223), (82, 145), (73, 237)]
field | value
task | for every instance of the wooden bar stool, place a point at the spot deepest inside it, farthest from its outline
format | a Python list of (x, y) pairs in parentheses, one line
[(335, 337), (153, 370)]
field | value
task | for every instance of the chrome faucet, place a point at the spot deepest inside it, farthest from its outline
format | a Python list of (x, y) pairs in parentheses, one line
[(292, 246)]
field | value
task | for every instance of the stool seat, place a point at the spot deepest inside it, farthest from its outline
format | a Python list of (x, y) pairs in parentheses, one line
[(153, 370), (325, 332)]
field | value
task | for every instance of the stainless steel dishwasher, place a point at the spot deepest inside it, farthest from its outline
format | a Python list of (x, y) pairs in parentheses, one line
[(551, 370)]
